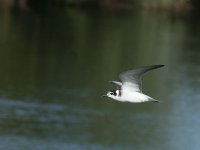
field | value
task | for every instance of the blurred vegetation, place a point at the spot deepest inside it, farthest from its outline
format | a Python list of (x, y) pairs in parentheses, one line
[(167, 5)]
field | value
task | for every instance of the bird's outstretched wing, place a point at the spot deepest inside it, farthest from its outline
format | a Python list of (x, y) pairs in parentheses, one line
[(131, 78)]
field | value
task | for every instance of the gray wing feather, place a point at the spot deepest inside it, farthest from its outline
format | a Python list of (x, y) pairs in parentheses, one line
[(116, 83), (132, 77)]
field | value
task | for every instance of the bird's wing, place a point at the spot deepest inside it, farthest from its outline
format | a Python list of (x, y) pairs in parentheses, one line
[(117, 84), (131, 78)]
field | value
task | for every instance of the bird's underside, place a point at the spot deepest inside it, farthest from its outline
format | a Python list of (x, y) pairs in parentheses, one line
[(130, 86)]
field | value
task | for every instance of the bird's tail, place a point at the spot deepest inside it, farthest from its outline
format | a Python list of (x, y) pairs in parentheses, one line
[(154, 100)]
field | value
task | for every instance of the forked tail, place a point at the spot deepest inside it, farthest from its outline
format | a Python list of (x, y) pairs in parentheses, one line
[(154, 100)]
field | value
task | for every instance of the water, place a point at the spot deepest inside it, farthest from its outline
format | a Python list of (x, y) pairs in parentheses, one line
[(55, 67)]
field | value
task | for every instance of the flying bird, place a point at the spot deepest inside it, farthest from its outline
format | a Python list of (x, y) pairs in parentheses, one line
[(130, 87)]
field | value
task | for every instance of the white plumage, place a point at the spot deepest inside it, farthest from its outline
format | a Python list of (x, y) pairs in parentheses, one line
[(129, 90)]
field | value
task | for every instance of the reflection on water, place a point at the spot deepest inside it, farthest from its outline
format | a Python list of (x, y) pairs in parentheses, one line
[(55, 67)]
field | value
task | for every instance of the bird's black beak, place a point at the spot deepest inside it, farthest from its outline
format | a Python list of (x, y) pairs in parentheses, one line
[(104, 95)]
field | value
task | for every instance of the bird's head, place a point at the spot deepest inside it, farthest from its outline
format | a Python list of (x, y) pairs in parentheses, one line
[(112, 94)]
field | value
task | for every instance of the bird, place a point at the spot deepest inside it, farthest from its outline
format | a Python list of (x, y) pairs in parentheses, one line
[(130, 87)]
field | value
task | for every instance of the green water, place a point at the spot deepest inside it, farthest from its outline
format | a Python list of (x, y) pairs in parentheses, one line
[(54, 67)]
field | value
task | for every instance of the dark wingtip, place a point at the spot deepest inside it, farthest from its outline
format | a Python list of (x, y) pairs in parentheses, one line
[(160, 66)]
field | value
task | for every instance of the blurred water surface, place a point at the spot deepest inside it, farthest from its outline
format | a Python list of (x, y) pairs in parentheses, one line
[(54, 67)]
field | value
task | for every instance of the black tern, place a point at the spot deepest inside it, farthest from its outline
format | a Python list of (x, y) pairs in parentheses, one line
[(129, 90)]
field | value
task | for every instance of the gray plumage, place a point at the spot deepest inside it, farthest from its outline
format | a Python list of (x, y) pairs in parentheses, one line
[(130, 88)]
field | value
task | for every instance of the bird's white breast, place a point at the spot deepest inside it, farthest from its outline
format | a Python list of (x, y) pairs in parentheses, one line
[(135, 97)]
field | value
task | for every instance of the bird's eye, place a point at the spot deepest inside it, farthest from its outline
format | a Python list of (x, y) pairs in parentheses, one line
[(111, 93)]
